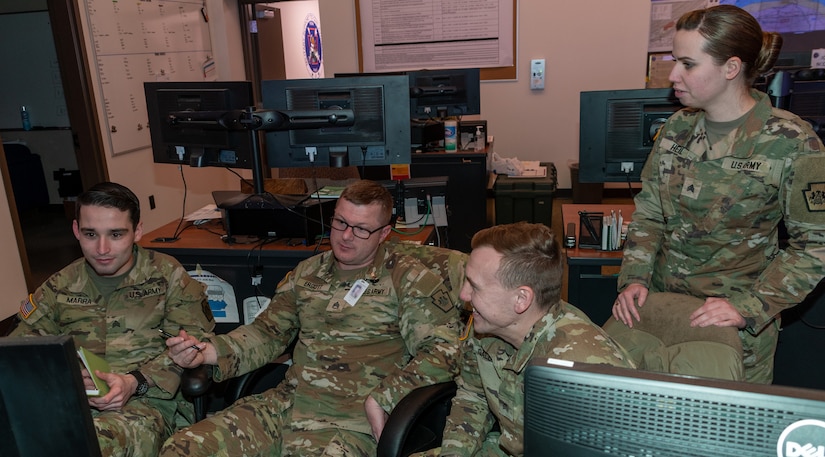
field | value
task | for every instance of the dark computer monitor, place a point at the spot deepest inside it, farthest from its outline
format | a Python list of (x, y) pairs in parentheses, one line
[(585, 410), (202, 141), (616, 131), (807, 100), (443, 93), (44, 410), (380, 134)]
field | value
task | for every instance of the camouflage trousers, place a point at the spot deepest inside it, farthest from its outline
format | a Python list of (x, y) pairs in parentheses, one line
[(489, 448), (137, 430), (759, 352), (258, 425)]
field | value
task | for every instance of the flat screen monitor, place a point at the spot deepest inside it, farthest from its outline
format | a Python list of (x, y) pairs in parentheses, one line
[(585, 410), (380, 134), (436, 94), (444, 93), (807, 100), (44, 410), (204, 143), (617, 129)]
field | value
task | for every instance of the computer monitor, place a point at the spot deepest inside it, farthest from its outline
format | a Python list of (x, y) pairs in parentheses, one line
[(586, 410), (617, 129), (435, 94), (380, 134), (44, 410), (443, 93), (203, 141), (807, 100)]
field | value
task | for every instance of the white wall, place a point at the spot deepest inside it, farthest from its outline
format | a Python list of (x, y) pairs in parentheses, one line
[(294, 18), (588, 45)]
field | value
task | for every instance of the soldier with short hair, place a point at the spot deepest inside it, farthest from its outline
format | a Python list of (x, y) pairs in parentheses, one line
[(112, 302), (372, 323), (513, 281)]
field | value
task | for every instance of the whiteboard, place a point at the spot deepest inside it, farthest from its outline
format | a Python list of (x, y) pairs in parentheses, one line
[(30, 74), (135, 42)]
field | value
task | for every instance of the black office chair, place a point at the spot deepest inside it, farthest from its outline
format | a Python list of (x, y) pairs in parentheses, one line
[(417, 422)]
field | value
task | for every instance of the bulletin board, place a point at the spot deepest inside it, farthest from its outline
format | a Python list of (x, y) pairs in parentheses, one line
[(373, 16), (135, 42)]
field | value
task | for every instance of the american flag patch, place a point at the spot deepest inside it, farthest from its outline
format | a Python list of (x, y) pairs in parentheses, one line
[(27, 307)]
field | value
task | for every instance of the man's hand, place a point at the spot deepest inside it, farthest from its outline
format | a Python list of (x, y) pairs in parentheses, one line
[(376, 416), (188, 352), (624, 308), (121, 389), (717, 312)]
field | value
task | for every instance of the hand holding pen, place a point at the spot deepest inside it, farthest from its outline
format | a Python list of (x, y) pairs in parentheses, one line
[(169, 335), (182, 354)]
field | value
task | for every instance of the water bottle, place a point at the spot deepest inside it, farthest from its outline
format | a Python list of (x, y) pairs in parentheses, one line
[(24, 116)]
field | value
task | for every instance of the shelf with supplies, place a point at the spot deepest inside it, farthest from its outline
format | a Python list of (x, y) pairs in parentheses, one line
[(592, 273)]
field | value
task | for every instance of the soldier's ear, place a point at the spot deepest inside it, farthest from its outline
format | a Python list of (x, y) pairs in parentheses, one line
[(524, 299)]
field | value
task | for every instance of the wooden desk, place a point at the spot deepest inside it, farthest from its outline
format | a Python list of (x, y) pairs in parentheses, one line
[(591, 273), (253, 269)]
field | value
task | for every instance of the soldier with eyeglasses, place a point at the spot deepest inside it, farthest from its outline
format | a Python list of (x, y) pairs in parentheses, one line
[(372, 323)]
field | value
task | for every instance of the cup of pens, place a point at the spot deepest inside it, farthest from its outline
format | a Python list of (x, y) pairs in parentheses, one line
[(602, 231)]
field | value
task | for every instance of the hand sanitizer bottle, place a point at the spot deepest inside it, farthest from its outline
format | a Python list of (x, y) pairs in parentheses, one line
[(479, 139)]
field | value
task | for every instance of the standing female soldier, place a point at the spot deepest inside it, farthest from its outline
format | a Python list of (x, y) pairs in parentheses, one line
[(723, 173)]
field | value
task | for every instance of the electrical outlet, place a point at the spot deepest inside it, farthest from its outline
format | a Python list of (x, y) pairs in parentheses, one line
[(627, 167), (537, 74)]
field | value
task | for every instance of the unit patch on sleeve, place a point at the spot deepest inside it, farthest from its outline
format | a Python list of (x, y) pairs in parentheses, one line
[(27, 307), (806, 200), (815, 196)]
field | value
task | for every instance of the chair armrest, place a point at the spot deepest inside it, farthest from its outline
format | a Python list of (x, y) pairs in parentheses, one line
[(256, 381), (417, 422), (195, 382)]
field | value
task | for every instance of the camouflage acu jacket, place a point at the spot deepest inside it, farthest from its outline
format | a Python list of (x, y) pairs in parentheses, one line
[(401, 334), (122, 327), (710, 227), (491, 382)]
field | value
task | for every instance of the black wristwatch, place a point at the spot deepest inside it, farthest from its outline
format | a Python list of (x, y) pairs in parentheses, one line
[(143, 385)]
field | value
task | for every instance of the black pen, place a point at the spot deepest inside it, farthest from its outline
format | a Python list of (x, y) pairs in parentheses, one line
[(169, 335)]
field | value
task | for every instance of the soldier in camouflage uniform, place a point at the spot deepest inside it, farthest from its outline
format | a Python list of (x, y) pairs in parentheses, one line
[(513, 279), (357, 353), (112, 302), (722, 175)]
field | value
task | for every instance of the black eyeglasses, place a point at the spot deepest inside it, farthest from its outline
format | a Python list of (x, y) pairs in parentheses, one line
[(358, 232)]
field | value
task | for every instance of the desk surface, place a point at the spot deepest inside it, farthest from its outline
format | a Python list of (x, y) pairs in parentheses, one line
[(208, 237), (570, 214)]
